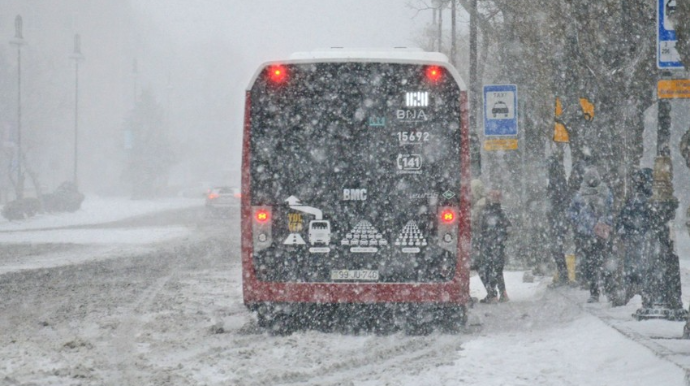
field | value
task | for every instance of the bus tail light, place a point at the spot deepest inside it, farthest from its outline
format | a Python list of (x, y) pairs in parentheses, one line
[(447, 234), (262, 215), (447, 216), (434, 73), (262, 228), (277, 73)]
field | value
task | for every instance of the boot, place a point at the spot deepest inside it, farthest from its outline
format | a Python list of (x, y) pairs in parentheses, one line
[(593, 299), (489, 300), (504, 297)]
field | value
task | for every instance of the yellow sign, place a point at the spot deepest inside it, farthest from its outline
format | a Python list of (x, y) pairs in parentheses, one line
[(559, 107), (295, 222), (501, 144), (673, 88), (560, 133), (587, 108)]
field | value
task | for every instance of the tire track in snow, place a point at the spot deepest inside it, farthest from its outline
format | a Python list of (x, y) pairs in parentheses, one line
[(123, 358)]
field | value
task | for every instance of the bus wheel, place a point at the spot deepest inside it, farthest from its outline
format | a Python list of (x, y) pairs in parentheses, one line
[(281, 325), (453, 318), (264, 318), (416, 323)]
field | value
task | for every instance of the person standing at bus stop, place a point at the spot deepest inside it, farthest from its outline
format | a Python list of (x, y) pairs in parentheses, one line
[(493, 234), (634, 225), (590, 214)]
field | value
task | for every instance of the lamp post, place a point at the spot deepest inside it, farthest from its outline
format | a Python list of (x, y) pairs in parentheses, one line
[(18, 41), (77, 57), (664, 289)]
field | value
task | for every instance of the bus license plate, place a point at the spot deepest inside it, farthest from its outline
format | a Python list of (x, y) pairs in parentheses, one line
[(354, 275)]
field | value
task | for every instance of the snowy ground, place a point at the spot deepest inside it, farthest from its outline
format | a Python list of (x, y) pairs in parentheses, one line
[(171, 313), (98, 210)]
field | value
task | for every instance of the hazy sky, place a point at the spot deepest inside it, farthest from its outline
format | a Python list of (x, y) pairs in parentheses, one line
[(217, 45), (262, 30)]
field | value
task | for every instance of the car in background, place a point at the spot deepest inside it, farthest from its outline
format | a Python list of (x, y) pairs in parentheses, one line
[(220, 200)]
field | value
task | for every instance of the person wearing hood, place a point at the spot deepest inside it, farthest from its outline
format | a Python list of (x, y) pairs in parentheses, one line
[(634, 225), (590, 213), (493, 234)]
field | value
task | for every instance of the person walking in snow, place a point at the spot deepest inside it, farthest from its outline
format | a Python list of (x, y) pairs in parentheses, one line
[(634, 225), (493, 233), (590, 212)]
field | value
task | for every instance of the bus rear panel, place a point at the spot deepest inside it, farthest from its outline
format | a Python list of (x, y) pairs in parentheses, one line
[(355, 185)]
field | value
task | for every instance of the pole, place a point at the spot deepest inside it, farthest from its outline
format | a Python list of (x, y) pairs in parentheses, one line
[(76, 118), (77, 56), (440, 26), (475, 153), (20, 180), (433, 24), (452, 33), (663, 298)]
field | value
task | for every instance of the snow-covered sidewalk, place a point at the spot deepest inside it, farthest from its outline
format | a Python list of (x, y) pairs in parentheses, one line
[(99, 210)]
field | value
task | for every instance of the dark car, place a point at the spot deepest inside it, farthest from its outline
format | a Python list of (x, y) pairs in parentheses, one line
[(220, 200)]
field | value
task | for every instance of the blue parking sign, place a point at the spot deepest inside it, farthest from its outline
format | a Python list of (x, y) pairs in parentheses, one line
[(500, 110), (667, 56)]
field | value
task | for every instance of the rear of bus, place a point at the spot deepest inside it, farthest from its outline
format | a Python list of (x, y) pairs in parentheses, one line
[(355, 186)]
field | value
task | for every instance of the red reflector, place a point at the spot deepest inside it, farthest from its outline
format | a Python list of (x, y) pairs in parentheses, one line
[(433, 73), (277, 73), (447, 216), (262, 216)]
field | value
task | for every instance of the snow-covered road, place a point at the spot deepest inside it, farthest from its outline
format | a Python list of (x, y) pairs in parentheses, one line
[(171, 314)]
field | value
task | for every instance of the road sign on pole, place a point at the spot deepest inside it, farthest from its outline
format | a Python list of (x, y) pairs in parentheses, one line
[(667, 56), (500, 110)]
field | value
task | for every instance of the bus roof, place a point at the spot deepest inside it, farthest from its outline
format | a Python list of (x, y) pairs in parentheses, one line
[(376, 54), (371, 55)]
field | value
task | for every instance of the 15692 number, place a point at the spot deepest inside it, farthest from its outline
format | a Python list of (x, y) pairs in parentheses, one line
[(413, 136)]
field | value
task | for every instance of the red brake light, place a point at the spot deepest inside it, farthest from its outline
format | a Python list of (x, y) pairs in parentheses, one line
[(212, 196), (447, 216), (433, 73), (277, 73), (262, 216)]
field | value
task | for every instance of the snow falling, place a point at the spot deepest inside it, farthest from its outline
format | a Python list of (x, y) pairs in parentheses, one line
[(418, 192)]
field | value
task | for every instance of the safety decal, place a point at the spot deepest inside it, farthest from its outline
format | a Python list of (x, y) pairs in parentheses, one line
[(448, 194), (318, 232), (364, 238), (410, 238)]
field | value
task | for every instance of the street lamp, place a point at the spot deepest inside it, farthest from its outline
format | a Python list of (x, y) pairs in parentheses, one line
[(18, 41), (77, 57)]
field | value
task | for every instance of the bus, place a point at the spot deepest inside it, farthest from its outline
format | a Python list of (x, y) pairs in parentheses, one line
[(371, 147)]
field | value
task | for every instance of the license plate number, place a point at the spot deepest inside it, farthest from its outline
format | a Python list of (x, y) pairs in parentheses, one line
[(354, 275)]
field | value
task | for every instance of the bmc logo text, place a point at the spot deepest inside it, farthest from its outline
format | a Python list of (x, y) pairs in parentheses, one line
[(354, 194)]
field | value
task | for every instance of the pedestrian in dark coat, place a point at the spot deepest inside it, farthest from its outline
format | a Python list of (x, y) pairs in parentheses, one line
[(592, 220), (634, 227), (492, 238)]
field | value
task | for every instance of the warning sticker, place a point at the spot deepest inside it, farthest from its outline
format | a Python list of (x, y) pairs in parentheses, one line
[(364, 238), (410, 238)]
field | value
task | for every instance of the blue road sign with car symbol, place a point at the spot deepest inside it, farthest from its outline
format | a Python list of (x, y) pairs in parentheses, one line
[(500, 110)]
